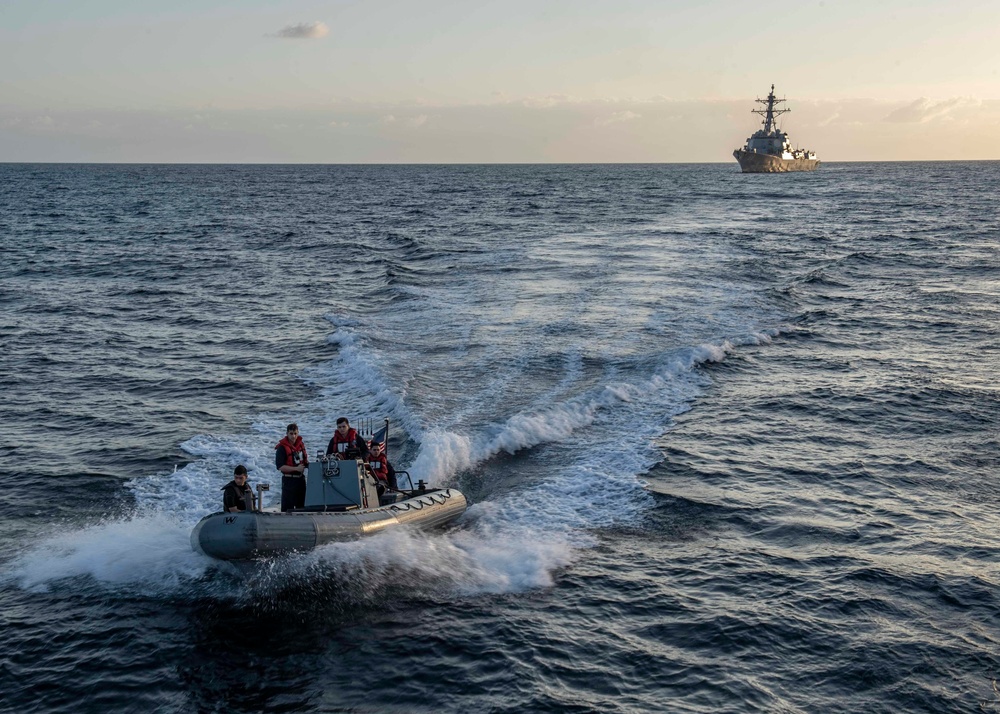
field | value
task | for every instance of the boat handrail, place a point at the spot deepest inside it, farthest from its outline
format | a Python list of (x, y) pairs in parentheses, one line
[(407, 474)]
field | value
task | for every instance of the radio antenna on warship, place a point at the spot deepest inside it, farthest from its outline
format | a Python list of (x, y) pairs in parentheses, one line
[(770, 113)]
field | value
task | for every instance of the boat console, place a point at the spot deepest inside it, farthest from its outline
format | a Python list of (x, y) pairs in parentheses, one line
[(339, 485)]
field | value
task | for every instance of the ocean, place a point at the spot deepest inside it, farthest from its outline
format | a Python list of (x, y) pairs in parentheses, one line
[(732, 441)]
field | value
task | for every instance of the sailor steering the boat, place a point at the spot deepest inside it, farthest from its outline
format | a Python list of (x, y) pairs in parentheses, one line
[(346, 442)]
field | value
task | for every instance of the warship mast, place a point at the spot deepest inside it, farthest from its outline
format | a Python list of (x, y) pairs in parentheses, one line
[(770, 113)]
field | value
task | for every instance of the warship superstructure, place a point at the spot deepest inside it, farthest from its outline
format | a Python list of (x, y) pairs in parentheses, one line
[(768, 150)]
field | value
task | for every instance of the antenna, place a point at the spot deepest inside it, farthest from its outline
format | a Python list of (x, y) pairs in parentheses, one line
[(770, 112)]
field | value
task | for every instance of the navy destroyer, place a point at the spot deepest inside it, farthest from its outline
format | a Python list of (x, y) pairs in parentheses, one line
[(768, 150)]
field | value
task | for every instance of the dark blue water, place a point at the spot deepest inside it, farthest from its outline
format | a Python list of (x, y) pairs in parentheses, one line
[(732, 439)]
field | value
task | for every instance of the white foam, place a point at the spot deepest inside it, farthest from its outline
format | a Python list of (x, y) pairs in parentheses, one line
[(443, 454), (464, 560), (152, 552), (354, 382)]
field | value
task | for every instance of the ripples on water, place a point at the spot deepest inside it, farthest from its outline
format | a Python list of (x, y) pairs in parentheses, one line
[(732, 439)]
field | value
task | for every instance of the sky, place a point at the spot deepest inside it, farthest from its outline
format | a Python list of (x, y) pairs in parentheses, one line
[(448, 81)]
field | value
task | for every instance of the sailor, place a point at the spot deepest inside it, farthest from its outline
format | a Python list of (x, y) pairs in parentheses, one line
[(380, 465), (237, 495), (346, 444), (291, 460)]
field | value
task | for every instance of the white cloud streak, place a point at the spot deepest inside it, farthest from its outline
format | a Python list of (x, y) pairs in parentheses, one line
[(924, 110), (304, 31), (617, 118), (830, 119), (409, 122)]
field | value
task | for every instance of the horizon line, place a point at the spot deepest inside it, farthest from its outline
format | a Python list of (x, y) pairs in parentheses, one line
[(470, 163)]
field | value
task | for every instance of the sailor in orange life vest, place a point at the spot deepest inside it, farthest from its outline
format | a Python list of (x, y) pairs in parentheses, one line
[(291, 460), (346, 444), (381, 467)]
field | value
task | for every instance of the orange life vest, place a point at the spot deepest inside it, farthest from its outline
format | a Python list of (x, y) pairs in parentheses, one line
[(380, 465), (295, 454), (343, 443)]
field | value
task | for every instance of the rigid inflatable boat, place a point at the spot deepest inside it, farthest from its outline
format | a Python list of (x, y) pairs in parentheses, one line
[(342, 503)]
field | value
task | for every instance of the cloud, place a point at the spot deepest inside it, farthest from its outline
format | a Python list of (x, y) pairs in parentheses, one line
[(830, 119), (304, 31), (617, 118), (339, 124), (411, 122), (924, 110), (546, 102)]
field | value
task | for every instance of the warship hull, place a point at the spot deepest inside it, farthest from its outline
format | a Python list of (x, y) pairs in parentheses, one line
[(754, 163)]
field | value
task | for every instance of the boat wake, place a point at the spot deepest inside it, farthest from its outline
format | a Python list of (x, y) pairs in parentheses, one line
[(578, 466)]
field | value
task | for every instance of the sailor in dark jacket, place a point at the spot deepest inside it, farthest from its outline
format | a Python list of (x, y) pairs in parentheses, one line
[(237, 495)]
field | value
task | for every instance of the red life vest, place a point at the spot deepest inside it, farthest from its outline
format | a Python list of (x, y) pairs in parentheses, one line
[(295, 454), (380, 465), (343, 443)]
